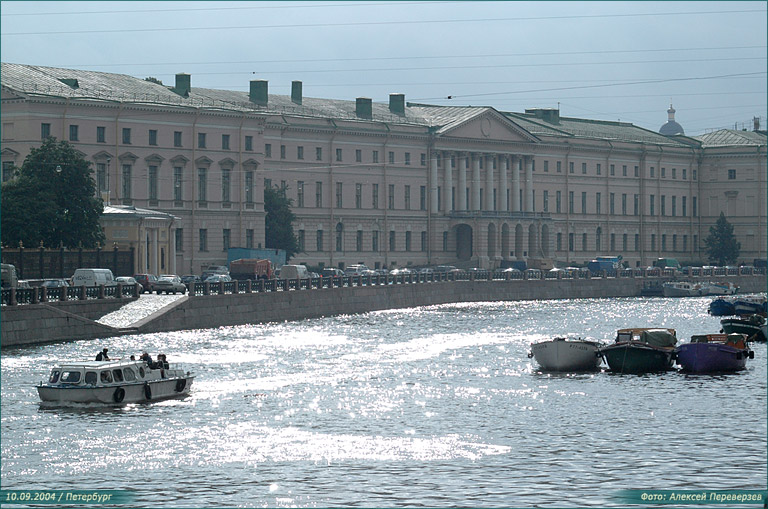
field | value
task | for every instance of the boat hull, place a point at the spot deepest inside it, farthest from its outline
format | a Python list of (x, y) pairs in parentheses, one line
[(561, 355), (722, 307), (670, 290), (711, 357), (754, 331), (135, 392), (637, 358)]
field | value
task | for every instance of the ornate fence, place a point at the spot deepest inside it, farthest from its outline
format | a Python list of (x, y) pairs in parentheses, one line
[(43, 263)]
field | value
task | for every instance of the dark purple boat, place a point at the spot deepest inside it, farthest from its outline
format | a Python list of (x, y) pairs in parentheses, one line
[(709, 353)]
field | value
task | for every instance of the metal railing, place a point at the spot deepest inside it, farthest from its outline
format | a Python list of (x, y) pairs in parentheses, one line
[(40, 294)]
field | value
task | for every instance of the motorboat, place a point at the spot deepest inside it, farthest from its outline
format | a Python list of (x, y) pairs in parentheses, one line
[(114, 382), (727, 288), (753, 326), (708, 353), (722, 306), (640, 350), (683, 289), (750, 305), (561, 354)]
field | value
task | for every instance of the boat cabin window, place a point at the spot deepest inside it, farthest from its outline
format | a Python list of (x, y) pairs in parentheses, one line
[(141, 372), (129, 374), (624, 337), (54, 376), (106, 377), (90, 377), (70, 377), (118, 375)]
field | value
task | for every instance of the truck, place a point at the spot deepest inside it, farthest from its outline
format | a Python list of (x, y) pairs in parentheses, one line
[(250, 268), (667, 263), (605, 263)]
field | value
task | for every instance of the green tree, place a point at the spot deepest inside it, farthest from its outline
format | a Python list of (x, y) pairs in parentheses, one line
[(52, 200), (722, 246), (279, 221)]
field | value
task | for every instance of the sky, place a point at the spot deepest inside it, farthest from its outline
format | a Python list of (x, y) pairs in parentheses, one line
[(624, 61)]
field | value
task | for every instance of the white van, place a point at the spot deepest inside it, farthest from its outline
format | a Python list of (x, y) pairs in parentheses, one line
[(294, 272), (92, 277)]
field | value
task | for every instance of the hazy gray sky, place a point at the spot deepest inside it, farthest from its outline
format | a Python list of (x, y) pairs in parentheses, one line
[(599, 60)]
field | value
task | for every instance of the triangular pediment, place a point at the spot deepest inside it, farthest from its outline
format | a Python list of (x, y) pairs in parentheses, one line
[(487, 124)]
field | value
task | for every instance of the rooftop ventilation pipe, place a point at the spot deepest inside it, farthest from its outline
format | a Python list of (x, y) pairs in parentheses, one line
[(183, 84), (259, 92), (364, 108), (397, 104), (296, 92)]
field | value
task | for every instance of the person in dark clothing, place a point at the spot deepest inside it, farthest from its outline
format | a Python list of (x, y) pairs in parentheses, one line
[(102, 356)]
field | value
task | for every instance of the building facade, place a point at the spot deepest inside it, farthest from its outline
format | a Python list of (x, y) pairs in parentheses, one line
[(391, 184)]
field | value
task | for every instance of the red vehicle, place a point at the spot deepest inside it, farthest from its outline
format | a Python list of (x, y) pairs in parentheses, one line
[(147, 281), (250, 268)]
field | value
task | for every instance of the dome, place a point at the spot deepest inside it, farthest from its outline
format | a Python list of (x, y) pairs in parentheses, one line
[(671, 128)]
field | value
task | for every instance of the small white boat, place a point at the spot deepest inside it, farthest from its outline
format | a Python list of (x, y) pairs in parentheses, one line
[(115, 382), (561, 354), (683, 289), (721, 288)]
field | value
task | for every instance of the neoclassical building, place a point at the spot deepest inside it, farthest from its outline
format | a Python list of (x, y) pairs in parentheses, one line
[(390, 183)]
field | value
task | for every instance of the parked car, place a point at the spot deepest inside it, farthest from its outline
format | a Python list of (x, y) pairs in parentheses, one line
[(92, 277), (147, 282), (357, 270), (332, 272), (169, 283), (55, 283), (190, 279), (219, 278), (128, 280), (214, 269), (400, 272)]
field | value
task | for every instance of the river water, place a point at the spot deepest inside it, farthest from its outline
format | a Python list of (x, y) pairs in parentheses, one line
[(437, 406)]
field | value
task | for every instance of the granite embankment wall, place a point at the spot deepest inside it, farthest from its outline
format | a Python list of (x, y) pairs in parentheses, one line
[(239, 309), (47, 322)]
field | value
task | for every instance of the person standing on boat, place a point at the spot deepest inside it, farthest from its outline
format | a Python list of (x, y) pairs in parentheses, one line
[(146, 358), (102, 356)]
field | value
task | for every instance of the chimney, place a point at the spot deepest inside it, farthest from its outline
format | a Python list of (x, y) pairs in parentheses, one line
[(296, 92), (183, 84), (397, 104), (756, 121), (259, 92), (364, 108), (550, 115)]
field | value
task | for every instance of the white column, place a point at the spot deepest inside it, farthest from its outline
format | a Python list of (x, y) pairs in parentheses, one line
[(153, 251), (448, 182), (503, 170), (528, 193), (433, 183), (476, 182), (488, 182), (515, 198), (461, 190)]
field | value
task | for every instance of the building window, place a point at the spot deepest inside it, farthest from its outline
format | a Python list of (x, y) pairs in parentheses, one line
[(319, 240), (202, 184), (282, 151), (611, 209), (637, 171), (693, 174), (557, 202), (546, 201), (391, 158), (177, 138), (674, 206), (653, 242), (359, 241), (392, 240), (339, 195), (301, 239), (338, 155), (127, 170), (559, 167), (423, 197), (200, 140), (391, 197), (299, 153), (225, 186), (623, 204), (623, 170), (249, 187), (339, 237), (319, 153), (423, 159), (375, 241), (300, 193), (153, 136), (268, 150), (674, 242), (152, 174), (598, 239), (663, 241), (546, 166), (318, 194), (73, 132), (249, 143), (570, 167), (407, 197), (599, 169), (101, 134), (613, 242), (178, 173), (559, 245), (408, 241), (663, 172), (685, 177), (684, 206), (583, 168), (101, 175), (203, 239), (445, 241), (637, 242), (570, 202), (570, 242), (685, 242), (653, 171), (358, 196), (179, 239), (224, 142), (731, 174), (424, 242), (226, 238), (126, 135), (583, 202), (674, 176), (358, 155), (408, 158), (375, 195), (375, 156), (653, 205), (45, 131), (583, 241), (663, 205), (612, 170), (598, 203)]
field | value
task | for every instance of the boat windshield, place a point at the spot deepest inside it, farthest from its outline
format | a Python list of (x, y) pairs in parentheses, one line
[(54, 376), (130, 376), (70, 377)]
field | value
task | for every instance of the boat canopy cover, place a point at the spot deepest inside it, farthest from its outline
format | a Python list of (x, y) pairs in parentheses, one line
[(658, 337)]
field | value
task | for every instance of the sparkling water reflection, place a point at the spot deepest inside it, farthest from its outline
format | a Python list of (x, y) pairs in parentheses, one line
[(436, 407)]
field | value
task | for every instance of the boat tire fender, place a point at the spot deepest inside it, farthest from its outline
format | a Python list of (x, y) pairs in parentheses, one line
[(119, 394), (181, 384), (147, 391)]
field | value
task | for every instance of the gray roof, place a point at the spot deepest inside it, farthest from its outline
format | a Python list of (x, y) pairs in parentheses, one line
[(671, 128), (731, 137)]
